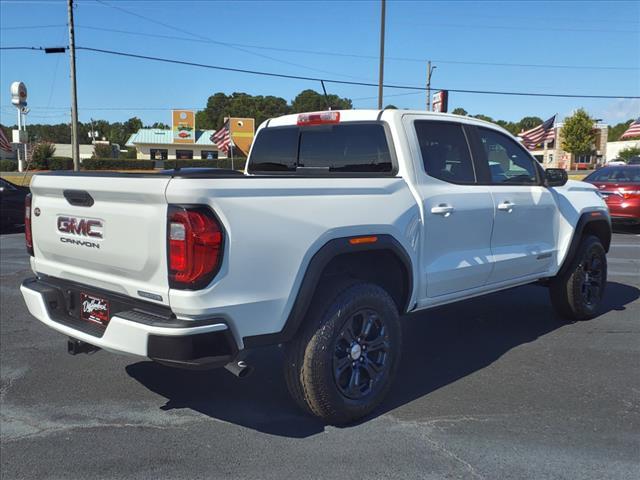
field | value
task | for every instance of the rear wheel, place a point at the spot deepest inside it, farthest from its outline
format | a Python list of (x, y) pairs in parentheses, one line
[(578, 292), (341, 365)]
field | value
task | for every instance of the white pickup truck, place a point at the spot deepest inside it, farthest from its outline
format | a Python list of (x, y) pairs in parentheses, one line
[(342, 222)]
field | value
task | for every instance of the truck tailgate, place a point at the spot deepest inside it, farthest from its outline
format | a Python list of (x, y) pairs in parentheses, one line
[(103, 231)]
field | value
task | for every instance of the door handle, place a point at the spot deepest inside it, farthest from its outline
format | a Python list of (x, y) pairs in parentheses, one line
[(442, 209), (506, 206)]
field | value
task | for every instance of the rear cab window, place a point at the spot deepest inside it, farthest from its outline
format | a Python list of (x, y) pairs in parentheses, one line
[(350, 147)]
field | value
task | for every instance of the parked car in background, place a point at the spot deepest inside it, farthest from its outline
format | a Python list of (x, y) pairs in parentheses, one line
[(620, 186), (11, 204), (615, 162)]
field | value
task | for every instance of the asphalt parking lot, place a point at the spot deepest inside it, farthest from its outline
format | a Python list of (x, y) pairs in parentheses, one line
[(493, 387)]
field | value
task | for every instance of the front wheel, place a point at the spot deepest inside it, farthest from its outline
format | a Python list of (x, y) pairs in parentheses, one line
[(577, 293), (341, 365)]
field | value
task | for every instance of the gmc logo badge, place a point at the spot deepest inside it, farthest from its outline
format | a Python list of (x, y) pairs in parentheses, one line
[(84, 227)]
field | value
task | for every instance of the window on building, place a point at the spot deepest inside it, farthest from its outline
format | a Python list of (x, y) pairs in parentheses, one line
[(184, 154), (508, 161), (445, 152), (584, 159), (159, 154), (209, 155)]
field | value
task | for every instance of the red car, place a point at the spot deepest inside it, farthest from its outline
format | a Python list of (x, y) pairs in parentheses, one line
[(620, 186)]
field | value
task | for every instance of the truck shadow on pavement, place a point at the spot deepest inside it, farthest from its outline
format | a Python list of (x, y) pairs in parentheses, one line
[(440, 346)]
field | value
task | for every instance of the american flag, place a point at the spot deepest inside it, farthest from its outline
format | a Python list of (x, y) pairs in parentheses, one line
[(633, 130), (4, 142), (545, 132), (222, 138)]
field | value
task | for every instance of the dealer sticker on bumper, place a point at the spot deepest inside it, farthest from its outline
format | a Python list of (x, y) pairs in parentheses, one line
[(94, 309)]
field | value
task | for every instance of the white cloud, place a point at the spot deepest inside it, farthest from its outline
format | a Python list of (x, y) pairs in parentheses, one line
[(620, 110)]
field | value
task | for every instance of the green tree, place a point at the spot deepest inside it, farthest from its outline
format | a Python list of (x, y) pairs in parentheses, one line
[(616, 131), (527, 123), (460, 111), (164, 126), (132, 125), (239, 104), (577, 133), (484, 117), (628, 153), (312, 101), (511, 127)]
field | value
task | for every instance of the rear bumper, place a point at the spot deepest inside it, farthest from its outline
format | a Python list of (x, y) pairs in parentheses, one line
[(135, 328)]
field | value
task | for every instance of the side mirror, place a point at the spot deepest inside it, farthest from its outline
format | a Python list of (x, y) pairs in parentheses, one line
[(555, 177)]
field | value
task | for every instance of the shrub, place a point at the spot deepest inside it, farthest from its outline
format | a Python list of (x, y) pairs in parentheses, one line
[(60, 163), (40, 156), (628, 153), (8, 165), (132, 153), (238, 163), (101, 150), (116, 164)]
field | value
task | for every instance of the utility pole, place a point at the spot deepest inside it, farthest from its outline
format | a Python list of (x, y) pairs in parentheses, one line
[(381, 78), (429, 72), (75, 148)]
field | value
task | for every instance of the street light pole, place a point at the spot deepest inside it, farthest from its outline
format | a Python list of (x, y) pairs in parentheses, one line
[(430, 70), (75, 148), (381, 77)]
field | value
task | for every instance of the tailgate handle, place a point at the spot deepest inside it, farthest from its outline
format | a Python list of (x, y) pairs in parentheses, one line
[(78, 198)]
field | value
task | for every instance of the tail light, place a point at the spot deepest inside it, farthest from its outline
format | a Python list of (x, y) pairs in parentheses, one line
[(195, 247), (627, 194), (318, 118), (28, 235)]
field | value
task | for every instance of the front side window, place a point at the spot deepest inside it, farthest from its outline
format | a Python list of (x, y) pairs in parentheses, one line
[(445, 151), (509, 163)]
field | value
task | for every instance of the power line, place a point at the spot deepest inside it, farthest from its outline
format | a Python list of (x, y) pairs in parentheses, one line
[(342, 82), (217, 42), (363, 56), (326, 80), (33, 27), (514, 27)]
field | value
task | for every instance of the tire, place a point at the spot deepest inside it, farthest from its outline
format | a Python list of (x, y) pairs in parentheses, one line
[(578, 292), (320, 363)]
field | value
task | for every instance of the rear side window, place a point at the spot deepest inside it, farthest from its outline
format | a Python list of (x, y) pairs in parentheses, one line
[(445, 151), (341, 148)]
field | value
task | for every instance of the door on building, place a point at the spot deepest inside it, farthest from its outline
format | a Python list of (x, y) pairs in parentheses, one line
[(184, 154)]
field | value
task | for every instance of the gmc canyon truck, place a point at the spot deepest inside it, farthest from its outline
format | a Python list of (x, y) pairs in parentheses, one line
[(341, 222)]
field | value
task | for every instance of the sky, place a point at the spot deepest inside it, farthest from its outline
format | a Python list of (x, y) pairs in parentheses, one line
[(587, 48)]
